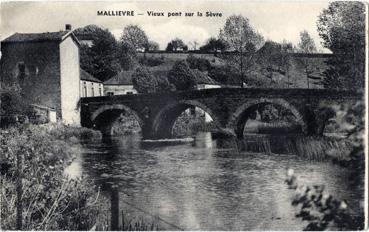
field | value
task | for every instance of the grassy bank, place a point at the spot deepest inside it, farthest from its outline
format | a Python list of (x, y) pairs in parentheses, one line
[(35, 193)]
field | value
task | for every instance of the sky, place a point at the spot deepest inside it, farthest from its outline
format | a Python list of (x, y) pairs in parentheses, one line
[(275, 20)]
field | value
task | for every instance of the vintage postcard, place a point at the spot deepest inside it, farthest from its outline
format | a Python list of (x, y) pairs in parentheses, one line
[(183, 115)]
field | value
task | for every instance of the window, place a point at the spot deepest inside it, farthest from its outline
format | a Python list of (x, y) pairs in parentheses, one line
[(92, 91), (110, 93), (100, 92), (129, 92)]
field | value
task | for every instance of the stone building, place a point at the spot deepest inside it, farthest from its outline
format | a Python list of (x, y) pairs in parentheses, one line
[(90, 86), (120, 84), (46, 67)]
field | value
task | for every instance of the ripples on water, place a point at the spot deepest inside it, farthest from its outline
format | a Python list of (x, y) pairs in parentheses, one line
[(206, 184)]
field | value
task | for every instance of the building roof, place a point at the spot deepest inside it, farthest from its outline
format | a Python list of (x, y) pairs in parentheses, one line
[(85, 76), (122, 78), (39, 37)]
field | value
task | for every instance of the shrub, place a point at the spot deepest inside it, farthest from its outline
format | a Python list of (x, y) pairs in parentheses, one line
[(50, 200), (198, 63), (321, 210), (144, 81), (181, 76)]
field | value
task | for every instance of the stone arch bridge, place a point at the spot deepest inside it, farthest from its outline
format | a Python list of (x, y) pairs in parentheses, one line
[(230, 108)]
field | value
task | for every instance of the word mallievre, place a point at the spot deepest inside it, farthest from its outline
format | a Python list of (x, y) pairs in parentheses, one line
[(158, 14)]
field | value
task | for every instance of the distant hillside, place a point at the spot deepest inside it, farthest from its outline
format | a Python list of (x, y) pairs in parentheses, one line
[(300, 66)]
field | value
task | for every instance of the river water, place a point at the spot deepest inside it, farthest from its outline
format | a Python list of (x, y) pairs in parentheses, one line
[(205, 184)]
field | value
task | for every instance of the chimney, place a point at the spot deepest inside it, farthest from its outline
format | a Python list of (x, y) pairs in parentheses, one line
[(68, 27)]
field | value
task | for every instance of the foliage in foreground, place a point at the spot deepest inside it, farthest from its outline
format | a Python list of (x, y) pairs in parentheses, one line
[(50, 200), (320, 209)]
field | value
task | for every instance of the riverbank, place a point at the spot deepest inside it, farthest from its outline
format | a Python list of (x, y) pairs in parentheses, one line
[(33, 159)]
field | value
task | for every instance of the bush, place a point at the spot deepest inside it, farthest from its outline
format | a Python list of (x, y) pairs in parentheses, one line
[(321, 210), (198, 63), (181, 76), (144, 81), (50, 200)]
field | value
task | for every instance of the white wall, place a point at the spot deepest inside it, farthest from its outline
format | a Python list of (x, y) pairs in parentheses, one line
[(69, 81), (91, 89), (119, 89)]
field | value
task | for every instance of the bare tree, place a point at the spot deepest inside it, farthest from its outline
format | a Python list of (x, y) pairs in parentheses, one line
[(194, 44)]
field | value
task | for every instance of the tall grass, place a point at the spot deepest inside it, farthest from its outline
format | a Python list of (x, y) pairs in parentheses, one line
[(35, 193), (314, 148)]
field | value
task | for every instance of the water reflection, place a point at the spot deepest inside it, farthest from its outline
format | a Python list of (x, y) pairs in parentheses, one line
[(205, 185)]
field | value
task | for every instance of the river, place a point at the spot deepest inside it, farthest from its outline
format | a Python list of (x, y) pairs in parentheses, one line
[(205, 184)]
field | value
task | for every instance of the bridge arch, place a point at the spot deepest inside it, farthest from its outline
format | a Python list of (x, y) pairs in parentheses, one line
[(163, 122), (242, 114), (104, 117)]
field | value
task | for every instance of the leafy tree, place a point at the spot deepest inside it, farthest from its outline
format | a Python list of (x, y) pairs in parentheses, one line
[(342, 28), (152, 46), (144, 81), (135, 37), (101, 58), (181, 76), (213, 45), (176, 44), (242, 40), (306, 44), (127, 56)]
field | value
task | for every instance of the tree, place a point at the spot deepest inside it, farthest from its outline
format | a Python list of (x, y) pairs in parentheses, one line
[(342, 28), (100, 59), (194, 44), (306, 45), (181, 76), (135, 37), (144, 81), (273, 58), (176, 44), (127, 56), (152, 46), (213, 45), (243, 41)]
